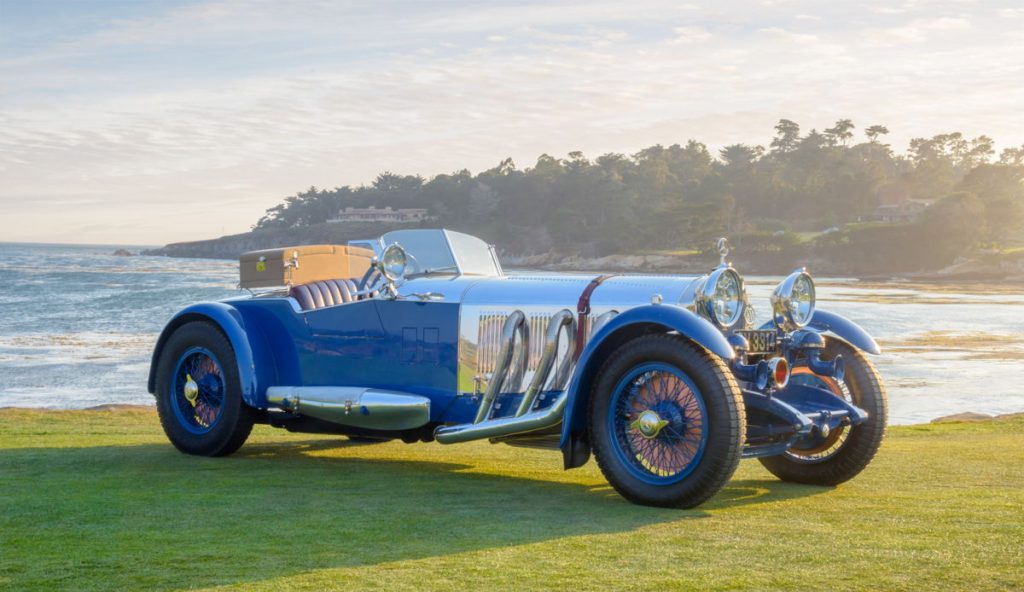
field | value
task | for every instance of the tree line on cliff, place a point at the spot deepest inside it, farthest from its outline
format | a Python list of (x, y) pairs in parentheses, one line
[(822, 184)]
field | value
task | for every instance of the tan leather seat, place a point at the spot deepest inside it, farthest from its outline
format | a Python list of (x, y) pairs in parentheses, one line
[(324, 293)]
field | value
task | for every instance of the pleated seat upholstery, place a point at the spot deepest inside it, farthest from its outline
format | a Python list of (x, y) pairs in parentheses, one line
[(324, 293)]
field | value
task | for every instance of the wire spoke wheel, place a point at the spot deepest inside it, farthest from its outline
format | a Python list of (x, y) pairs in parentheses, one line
[(666, 421), (658, 422), (199, 394), (198, 390)]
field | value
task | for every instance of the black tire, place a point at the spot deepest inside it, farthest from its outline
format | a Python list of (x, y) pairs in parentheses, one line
[(235, 419), (725, 421), (845, 459)]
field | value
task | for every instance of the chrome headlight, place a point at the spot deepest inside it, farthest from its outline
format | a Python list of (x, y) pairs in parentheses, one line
[(392, 262), (720, 298), (793, 301)]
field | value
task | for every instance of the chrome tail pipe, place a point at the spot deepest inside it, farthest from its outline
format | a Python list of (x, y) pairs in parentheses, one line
[(524, 420)]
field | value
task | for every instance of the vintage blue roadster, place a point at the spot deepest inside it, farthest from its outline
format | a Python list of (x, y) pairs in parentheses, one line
[(664, 378)]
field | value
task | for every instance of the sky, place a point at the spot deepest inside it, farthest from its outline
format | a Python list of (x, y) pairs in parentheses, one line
[(151, 121)]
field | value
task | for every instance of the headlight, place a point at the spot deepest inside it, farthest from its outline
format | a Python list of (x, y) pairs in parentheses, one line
[(392, 262), (793, 301), (720, 299)]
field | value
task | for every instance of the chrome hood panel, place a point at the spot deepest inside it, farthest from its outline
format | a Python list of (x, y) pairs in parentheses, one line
[(487, 302)]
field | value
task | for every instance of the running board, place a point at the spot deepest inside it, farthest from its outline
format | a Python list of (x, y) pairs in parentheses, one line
[(354, 406)]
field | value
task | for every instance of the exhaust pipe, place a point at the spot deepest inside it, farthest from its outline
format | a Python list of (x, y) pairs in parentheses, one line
[(563, 318), (505, 426), (524, 420), (359, 407), (515, 324)]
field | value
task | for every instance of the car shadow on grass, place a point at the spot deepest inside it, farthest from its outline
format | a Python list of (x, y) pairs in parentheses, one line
[(147, 516)]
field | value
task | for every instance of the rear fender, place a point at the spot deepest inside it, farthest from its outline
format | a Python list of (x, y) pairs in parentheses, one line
[(231, 323), (642, 320)]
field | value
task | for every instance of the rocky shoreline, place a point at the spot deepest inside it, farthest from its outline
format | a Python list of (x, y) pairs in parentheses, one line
[(984, 267)]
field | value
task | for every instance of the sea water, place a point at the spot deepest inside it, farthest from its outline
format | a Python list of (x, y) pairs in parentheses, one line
[(78, 325)]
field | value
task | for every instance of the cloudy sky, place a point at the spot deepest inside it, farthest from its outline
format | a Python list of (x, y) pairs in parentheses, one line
[(149, 121)]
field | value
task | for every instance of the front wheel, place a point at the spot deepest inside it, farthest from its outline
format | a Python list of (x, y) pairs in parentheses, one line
[(199, 397), (846, 451), (666, 422)]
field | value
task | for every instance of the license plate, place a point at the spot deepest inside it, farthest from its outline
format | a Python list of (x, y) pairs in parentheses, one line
[(761, 342)]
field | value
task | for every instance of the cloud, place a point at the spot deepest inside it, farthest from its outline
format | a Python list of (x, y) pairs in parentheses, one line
[(190, 122), (687, 35), (790, 36)]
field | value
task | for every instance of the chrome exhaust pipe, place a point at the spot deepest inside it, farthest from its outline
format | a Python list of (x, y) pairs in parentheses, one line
[(515, 324), (563, 318), (505, 426), (360, 407), (524, 420)]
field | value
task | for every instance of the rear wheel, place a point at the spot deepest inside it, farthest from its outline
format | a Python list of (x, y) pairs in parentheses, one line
[(846, 451), (199, 398), (666, 422)]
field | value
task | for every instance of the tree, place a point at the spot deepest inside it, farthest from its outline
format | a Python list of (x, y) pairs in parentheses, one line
[(787, 135), (874, 131), (740, 155), (680, 196), (840, 133)]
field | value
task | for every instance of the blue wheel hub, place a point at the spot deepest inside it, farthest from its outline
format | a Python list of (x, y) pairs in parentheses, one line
[(658, 423), (197, 390)]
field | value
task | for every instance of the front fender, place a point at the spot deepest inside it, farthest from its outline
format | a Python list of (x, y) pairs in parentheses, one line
[(230, 321), (660, 318), (845, 329), (841, 327)]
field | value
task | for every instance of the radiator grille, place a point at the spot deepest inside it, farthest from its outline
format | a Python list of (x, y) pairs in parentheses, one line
[(489, 339)]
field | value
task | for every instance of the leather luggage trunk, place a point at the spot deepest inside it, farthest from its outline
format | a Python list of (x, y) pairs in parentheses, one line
[(292, 266)]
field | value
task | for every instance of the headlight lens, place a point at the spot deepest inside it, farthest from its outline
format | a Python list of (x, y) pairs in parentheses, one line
[(392, 262), (793, 301), (721, 297)]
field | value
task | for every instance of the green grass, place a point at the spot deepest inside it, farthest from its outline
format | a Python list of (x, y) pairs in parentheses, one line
[(99, 500)]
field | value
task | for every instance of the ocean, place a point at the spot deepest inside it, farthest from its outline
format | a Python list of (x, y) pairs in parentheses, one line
[(78, 325)]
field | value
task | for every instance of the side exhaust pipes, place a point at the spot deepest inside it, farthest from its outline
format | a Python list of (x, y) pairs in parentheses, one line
[(524, 419), (515, 324), (563, 318)]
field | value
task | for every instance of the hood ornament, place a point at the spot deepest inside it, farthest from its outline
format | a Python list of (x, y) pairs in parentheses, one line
[(723, 250)]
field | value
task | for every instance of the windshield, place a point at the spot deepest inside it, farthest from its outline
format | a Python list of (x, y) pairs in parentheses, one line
[(443, 251)]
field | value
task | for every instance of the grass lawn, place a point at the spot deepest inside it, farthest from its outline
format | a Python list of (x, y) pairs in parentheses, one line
[(99, 500)]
